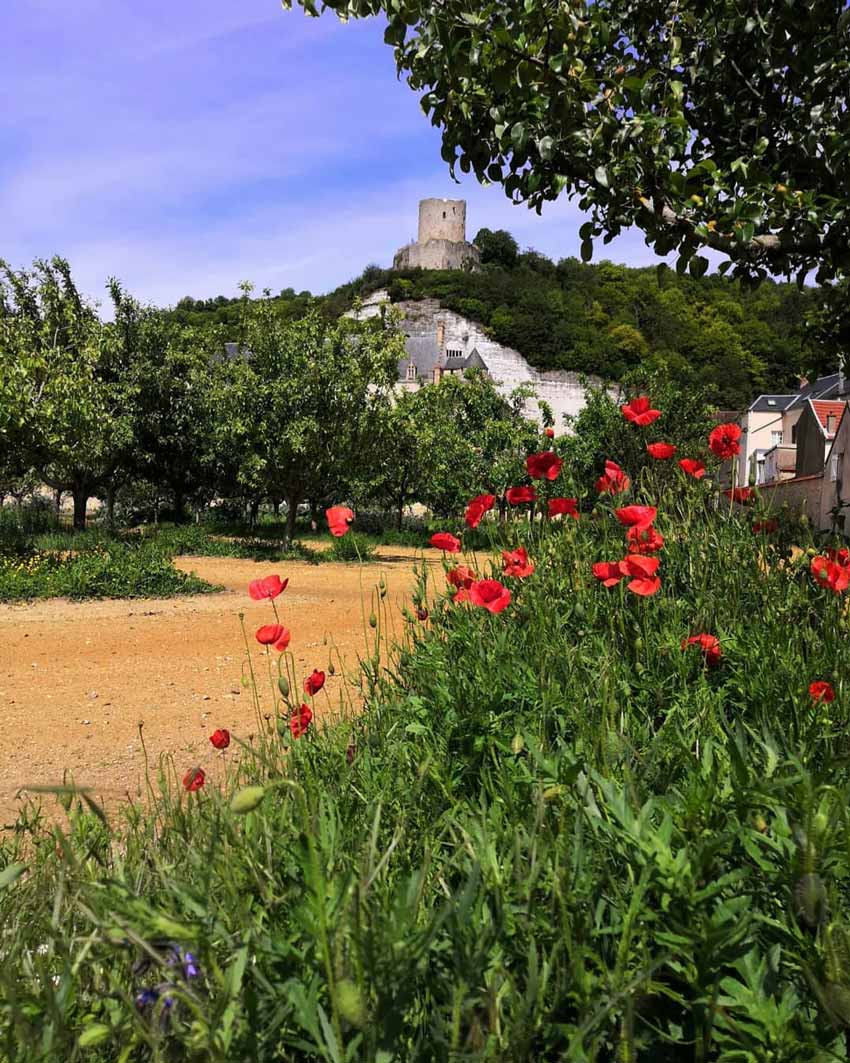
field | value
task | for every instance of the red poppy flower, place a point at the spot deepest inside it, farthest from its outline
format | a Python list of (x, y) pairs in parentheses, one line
[(710, 646), (692, 467), (220, 738), (644, 540), (614, 480), (300, 721), (820, 690), (641, 571), (544, 466), (340, 519), (274, 635), (636, 516), (563, 507), (461, 576), (446, 541), (194, 779), (490, 595), (517, 495), (661, 451), (765, 527), (549, 433), (477, 507), (840, 557), (723, 441), (740, 494), (829, 574), (639, 411), (516, 563), (270, 587), (314, 682), (608, 573), (462, 595)]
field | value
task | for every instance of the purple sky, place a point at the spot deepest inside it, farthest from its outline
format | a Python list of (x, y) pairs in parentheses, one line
[(186, 145)]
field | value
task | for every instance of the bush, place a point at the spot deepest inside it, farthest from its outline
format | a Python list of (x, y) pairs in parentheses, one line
[(352, 547)]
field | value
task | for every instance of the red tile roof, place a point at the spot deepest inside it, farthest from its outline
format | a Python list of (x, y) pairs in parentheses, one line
[(828, 409)]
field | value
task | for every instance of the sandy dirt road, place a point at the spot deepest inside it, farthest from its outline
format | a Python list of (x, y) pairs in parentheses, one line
[(77, 678)]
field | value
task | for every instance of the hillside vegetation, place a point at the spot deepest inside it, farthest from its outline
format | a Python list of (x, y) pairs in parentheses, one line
[(601, 318)]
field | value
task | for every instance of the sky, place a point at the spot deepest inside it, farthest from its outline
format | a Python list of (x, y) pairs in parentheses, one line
[(184, 146)]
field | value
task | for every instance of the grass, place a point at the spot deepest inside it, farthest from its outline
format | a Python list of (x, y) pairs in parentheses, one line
[(552, 835)]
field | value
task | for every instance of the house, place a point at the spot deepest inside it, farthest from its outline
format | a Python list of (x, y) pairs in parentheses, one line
[(816, 427), (835, 493), (771, 422)]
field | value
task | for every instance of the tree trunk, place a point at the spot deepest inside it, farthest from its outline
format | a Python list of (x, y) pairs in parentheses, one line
[(291, 517), (57, 503), (110, 506), (253, 512), (276, 507), (179, 507), (399, 516), (81, 501), (315, 515)]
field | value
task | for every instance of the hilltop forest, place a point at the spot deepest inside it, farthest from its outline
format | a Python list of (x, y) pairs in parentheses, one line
[(600, 318)]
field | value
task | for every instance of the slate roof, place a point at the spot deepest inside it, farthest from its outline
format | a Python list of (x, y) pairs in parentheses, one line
[(772, 403), (825, 387), (425, 355)]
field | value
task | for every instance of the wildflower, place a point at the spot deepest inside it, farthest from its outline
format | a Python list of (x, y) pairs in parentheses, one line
[(566, 507), (340, 519), (422, 614), (765, 527), (516, 563), (446, 541), (462, 596), (692, 467), (490, 595), (314, 682), (641, 570), (638, 411), (608, 573), (636, 516), (146, 998), (740, 494), (220, 738), (300, 721), (710, 646), (840, 557), (661, 451), (477, 507), (517, 495), (194, 779), (614, 480), (270, 587), (461, 576), (723, 441), (820, 690), (273, 635), (544, 466), (644, 540), (829, 574), (549, 433)]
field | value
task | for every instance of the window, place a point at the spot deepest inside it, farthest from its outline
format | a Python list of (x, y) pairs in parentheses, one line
[(444, 215), (411, 370), (830, 423), (793, 435), (776, 438), (833, 468)]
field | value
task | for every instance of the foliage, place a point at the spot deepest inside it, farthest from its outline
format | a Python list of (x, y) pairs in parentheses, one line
[(497, 248), (553, 834), (708, 125), (97, 567)]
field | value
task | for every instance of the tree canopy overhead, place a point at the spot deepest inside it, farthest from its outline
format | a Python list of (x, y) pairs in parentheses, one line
[(707, 124)]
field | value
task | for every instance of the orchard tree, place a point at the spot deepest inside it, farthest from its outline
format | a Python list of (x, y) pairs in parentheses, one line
[(64, 388), (295, 411), (706, 124)]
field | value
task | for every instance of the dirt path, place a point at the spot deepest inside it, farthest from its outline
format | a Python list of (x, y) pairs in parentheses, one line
[(77, 679)]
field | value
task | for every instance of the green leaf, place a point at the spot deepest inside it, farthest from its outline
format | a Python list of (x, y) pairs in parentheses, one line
[(586, 250), (601, 175), (11, 874), (93, 1035)]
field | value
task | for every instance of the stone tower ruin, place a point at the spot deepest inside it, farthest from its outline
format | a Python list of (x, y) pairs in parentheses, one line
[(442, 242)]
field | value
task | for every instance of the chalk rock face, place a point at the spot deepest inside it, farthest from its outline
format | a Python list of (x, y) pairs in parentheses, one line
[(440, 342)]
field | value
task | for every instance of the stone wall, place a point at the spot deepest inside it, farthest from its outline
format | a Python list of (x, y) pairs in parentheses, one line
[(442, 219), (437, 254)]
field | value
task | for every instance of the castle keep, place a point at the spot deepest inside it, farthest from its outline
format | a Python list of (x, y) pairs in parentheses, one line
[(442, 242)]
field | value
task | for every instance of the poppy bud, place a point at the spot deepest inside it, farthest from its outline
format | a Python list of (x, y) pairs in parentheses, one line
[(283, 686), (517, 745), (837, 999), (349, 1002), (810, 899), (282, 726), (422, 614), (819, 825), (248, 798), (373, 620), (551, 792), (760, 823), (331, 668)]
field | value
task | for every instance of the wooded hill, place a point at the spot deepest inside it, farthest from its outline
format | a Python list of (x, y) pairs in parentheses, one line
[(601, 318)]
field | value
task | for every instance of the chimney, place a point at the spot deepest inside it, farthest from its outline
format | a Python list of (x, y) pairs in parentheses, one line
[(803, 383), (441, 336), (843, 388)]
